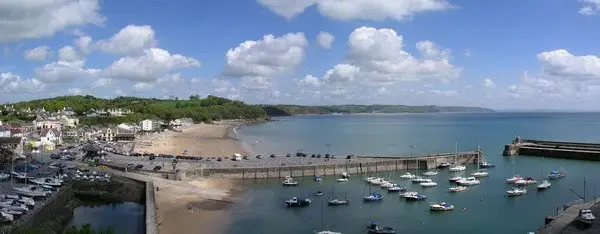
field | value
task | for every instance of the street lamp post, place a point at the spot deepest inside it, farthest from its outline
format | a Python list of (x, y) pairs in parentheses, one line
[(328, 147), (411, 149)]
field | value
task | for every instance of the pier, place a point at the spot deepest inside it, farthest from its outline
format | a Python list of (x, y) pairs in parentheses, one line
[(554, 149), (565, 221), (356, 165)]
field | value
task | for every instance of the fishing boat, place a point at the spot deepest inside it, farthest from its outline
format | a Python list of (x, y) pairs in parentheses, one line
[(557, 174), (513, 179), (443, 165), (374, 196), (586, 217), (526, 181), (516, 192), (419, 180), (468, 181), (373, 228), (457, 168), (396, 189), (428, 184), (338, 202), (544, 185), (479, 173), (407, 176), (486, 164), (458, 189), (289, 182), (456, 178), (441, 206), (414, 196), (319, 193), (345, 175), (342, 180), (318, 178), (295, 202), (430, 173)]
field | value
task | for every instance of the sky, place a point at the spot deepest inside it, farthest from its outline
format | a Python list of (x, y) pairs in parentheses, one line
[(500, 54)]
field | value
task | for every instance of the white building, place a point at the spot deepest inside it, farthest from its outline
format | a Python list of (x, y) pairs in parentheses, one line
[(118, 112), (51, 124), (50, 135), (4, 131), (150, 125), (67, 121)]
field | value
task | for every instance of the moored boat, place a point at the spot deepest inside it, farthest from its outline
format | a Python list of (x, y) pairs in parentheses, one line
[(342, 180), (457, 168), (289, 182), (6, 217), (319, 193), (556, 174), (444, 165), (586, 217), (338, 202), (407, 176), (456, 178), (479, 173), (374, 196), (318, 178), (516, 192), (457, 189), (486, 164), (441, 206), (295, 201), (345, 175), (468, 181), (396, 189), (373, 228), (419, 180), (428, 184), (415, 196), (513, 179), (430, 173), (544, 185), (527, 181)]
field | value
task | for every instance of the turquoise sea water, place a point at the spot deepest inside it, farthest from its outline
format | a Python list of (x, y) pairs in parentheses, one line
[(488, 210)]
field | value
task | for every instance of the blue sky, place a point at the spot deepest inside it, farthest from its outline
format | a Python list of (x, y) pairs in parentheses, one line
[(512, 54)]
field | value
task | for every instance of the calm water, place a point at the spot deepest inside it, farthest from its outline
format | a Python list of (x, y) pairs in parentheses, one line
[(127, 217), (488, 210)]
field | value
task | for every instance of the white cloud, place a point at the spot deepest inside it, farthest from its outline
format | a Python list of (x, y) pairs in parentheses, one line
[(446, 93), (325, 39), (268, 57), (63, 71), (75, 91), (468, 53), (383, 91), (537, 87), (488, 83), (341, 73), (590, 7), (309, 81), (132, 39), (120, 92), (170, 79), (13, 83), (148, 67), (39, 53), (102, 82), (376, 10), (84, 44), (220, 82), (141, 87), (561, 63), (28, 19), (255, 82), (67, 53), (431, 50)]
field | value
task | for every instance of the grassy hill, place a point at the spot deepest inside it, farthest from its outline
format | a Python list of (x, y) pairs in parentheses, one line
[(288, 110)]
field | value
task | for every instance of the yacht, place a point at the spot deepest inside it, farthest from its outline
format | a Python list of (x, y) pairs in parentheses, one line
[(337, 202), (373, 197), (289, 182), (318, 178), (414, 196), (28, 201), (319, 193), (479, 173), (4, 176), (556, 174), (32, 191), (456, 178), (458, 189), (458, 168), (388, 185), (407, 176), (345, 175), (444, 165), (586, 216), (13, 205), (294, 201), (373, 228), (486, 164), (46, 181), (396, 189), (419, 180), (468, 181), (513, 179), (527, 181), (377, 181), (516, 192), (441, 206), (14, 213), (544, 185), (428, 184), (342, 180), (369, 179), (430, 173), (328, 232)]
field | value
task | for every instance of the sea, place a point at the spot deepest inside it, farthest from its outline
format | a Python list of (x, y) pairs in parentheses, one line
[(122, 217), (484, 208)]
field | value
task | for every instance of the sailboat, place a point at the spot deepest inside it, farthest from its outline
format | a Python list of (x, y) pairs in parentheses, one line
[(556, 174), (514, 178), (373, 196), (337, 202), (323, 222), (479, 172)]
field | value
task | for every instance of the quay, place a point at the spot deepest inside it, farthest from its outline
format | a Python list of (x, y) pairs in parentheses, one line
[(566, 219), (357, 165), (554, 149)]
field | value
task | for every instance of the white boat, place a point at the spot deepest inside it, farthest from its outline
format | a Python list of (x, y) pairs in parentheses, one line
[(345, 175), (457, 168), (32, 191), (289, 182), (513, 179), (19, 175), (458, 189), (430, 173), (557, 174), (407, 176), (408, 193), (527, 181), (368, 179), (479, 173), (396, 189), (419, 180), (342, 180), (456, 178), (428, 184), (28, 201), (516, 192), (4, 176), (15, 213), (443, 165), (328, 232), (586, 216), (46, 181), (295, 201), (6, 217), (387, 185), (442, 206), (544, 185), (13, 205), (338, 202), (377, 181), (468, 181)]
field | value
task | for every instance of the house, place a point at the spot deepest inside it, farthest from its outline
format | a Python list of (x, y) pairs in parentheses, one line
[(44, 124), (16, 132), (0, 123), (50, 135), (91, 113), (4, 131), (88, 134), (12, 143), (68, 111), (118, 112), (150, 125), (117, 134), (67, 121)]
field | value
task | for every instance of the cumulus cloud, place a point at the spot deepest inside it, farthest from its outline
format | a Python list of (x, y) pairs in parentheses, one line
[(132, 39), (148, 67), (376, 10), (67, 53), (268, 57), (170, 79), (539, 87), (102, 82), (432, 50), (488, 83), (13, 83), (590, 7), (341, 73), (28, 19), (39, 53), (75, 91), (64, 71), (255, 82), (325, 39), (309, 81), (141, 87), (561, 63), (84, 44)]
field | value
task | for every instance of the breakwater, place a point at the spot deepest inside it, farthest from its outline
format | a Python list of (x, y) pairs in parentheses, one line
[(367, 165), (554, 149)]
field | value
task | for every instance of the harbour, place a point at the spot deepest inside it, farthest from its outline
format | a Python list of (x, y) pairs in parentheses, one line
[(555, 149)]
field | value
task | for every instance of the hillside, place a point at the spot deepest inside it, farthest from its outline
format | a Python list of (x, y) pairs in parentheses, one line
[(206, 109), (288, 110)]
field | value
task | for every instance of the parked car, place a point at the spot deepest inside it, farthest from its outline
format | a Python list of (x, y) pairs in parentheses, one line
[(219, 159), (272, 155), (152, 157), (349, 157), (259, 156), (139, 167), (157, 168), (245, 157), (288, 155), (313, 155)]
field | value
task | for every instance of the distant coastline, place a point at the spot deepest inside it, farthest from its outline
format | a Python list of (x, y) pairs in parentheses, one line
[(295, 110)]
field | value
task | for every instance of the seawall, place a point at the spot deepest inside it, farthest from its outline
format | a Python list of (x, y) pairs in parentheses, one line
[(554, 149), (151, 223)]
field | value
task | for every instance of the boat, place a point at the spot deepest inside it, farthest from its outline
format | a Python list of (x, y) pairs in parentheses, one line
[(13, 205), (45, 181), (556, 174), (486, 164), (388, 185), (294, 202), (328, 232), (516, 192), (419, 180), (544, 185), (479, 173), (443, 165), (369, 179), (428, 184), (396, 189), (456, 178), (468, 181), (458, 189), (15, 213), (586, 217), (345, 175), (289, 182), (414, 196), (377, 181), (430, 173), (458, 168), (441, 206), (319, 193), (6, 217), (526, 181), (513, 179), (342, 180), (407, 176), (374, 196), (28, 201), (338, 202), (32, 191), (4, 176), (19, 175), (373, 228), (318, 178)]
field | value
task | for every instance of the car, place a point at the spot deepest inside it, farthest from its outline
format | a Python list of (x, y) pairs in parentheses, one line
[(259, 156), (208, 159), (327, 156), (152, 157), (313, 155), (272, 156), (245, 157), (303, 155), (157, 168), (349, 157), (318, 156), (288, 155), (139, 167), (199, 158), (219, 159)]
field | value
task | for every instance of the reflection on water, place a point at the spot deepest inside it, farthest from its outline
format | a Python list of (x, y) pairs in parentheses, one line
[(126, 217)]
